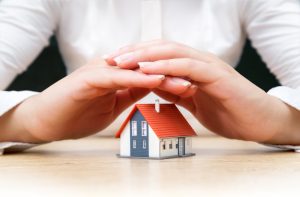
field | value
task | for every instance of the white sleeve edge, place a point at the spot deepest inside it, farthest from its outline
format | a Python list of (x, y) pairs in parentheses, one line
[(10, 99), (288, 95), (291, 97)]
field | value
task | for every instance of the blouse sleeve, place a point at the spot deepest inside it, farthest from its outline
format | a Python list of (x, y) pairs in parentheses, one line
[(25, 28), (274, 29)]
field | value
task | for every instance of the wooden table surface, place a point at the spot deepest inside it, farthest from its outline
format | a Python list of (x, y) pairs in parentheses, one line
[(89, 167)]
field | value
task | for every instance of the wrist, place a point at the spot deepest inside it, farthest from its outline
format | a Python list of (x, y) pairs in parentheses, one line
[(13, 125), (286, 124)]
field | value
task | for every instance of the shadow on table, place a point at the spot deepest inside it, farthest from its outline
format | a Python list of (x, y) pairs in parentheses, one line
[(239, 152), (200, 152)]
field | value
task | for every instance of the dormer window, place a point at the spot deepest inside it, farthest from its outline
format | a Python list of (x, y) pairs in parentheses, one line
[(134, 128), (144, 128)]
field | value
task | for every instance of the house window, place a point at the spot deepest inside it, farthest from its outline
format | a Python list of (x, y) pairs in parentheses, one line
[(144, 128), (133, 128), (144, 144), (170, 145), (134, 144), (164, 145)]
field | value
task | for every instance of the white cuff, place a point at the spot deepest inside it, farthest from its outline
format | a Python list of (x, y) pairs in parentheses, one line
[(8, 100), (291, 97), (288, 95)]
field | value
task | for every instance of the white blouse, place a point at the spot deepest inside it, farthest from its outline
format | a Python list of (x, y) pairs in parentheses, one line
[(85, 29)]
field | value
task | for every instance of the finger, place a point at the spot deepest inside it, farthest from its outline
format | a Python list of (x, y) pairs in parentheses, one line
[(127, 97), (130, 48), (175, 85), (183, 67), (160, 52), (111, 78), (178, 89), (189, 92), (178, 86)]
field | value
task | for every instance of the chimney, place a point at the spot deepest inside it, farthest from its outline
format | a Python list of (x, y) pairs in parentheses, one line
[(157, 107)]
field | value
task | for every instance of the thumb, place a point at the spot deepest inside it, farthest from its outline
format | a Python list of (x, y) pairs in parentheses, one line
[(127, 97)]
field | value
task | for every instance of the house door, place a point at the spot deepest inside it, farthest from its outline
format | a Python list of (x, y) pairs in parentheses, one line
[(139, 146), (181, 146)]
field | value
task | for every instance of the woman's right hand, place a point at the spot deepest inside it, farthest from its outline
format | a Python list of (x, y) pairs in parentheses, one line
[(79, 105)]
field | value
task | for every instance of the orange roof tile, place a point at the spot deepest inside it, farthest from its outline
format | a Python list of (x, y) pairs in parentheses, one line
[(169, 122)]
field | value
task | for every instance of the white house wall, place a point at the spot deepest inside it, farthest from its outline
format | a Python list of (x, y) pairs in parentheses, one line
[(153, 143), (125, 141), (188, 145), (167, 152)]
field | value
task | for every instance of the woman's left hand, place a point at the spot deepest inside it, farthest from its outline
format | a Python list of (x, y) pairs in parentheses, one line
[(220, 98)]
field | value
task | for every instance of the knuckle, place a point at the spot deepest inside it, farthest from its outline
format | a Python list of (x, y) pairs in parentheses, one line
[(190, 63), (169, 50), (144, 52), (210, 55), (172, 46), (166, 63), (127, 48)]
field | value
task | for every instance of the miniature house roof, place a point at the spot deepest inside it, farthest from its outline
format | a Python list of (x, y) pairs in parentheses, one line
[(169, 122)]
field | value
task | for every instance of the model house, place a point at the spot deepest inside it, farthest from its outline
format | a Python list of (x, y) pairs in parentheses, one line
[(157, 131)]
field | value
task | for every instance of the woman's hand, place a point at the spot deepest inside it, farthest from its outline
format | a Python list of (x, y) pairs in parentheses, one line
[(81, 104), (225, 102)]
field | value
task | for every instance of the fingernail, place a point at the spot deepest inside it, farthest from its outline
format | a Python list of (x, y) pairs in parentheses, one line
[(124, 58), (186, 84), (181, 81), (144, 64), (161, 77)]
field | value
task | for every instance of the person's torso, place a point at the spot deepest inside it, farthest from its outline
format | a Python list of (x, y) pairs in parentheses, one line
[(96, 27)]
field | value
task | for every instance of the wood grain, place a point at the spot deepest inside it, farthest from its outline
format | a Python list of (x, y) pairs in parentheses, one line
[(89, 167)]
